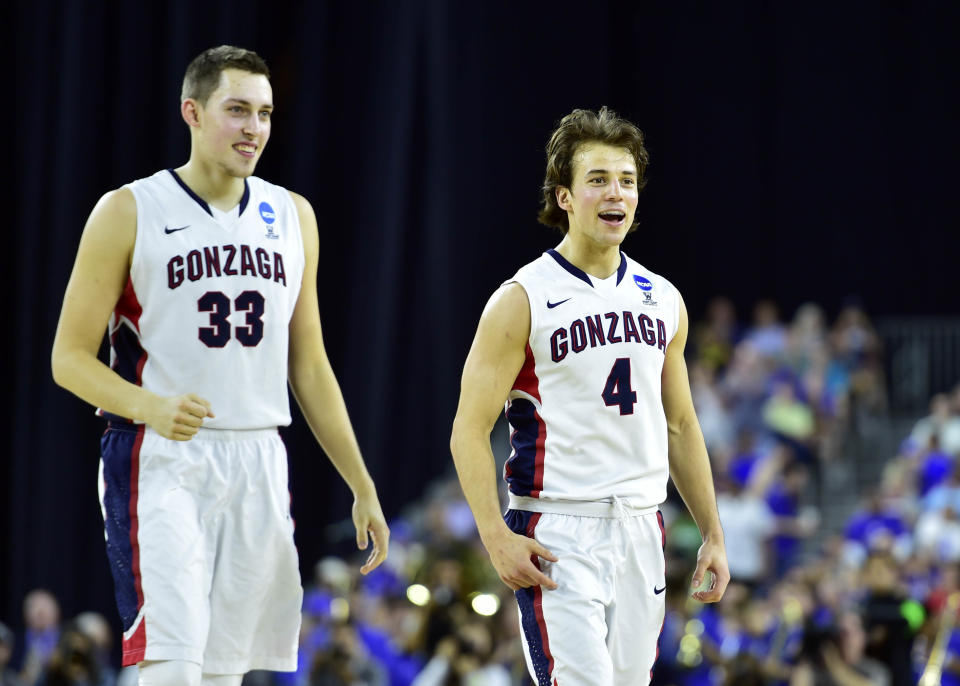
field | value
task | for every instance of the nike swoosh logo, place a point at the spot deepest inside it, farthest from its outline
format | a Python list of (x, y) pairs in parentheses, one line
[(552, 305), (658, 591), (181, 228)]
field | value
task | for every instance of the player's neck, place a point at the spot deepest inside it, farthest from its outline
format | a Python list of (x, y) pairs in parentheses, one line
[(596, 260), (215, 186)]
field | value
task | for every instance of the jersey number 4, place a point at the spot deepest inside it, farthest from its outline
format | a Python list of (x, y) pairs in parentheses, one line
[(219, 332), (618, 390)]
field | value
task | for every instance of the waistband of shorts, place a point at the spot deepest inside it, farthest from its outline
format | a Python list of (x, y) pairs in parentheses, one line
[(203, 433), (613, 508)]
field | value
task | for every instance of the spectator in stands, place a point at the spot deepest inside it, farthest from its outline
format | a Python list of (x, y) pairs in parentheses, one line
[(464, 658), (7, 676), (946, 493), (745, 386), (768, 335), (74, 662), (346, 662), (713, 340), (877, 527), (943, 423), (937, 534), (806, 342), (41, 616), (748, 525), (858, 348), (795, 522), (934, 465), (888, 630), (790, 418), (714, 419)]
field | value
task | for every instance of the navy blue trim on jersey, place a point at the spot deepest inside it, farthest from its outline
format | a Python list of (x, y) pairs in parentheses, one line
[(197, 199), (518, 522), (576, 271), (128, 351), (128, 355), (582, 275), (117, 446), (245, 198), (522, 465)]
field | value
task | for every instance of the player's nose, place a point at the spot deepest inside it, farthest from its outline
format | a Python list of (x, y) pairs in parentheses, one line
[(614, 189), (253, 125)]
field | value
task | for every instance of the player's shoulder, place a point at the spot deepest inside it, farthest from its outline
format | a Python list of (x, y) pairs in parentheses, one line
[(259, 186), (508, 309), (538, 268), (641, 274), (115, 208)]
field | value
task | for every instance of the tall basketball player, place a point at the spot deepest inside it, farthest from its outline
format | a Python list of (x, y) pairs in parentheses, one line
[(585, 347), (207, 278)]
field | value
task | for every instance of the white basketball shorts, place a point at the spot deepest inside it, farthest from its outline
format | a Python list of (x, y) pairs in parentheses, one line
[(200, 544), (601, 626)]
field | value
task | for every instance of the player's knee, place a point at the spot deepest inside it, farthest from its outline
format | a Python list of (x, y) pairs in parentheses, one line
[(169, 673)]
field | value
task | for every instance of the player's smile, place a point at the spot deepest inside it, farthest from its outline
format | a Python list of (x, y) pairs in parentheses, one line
[(248, 150), (612, 217)]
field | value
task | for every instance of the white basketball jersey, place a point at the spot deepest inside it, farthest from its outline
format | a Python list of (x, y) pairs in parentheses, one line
[(585, 410), (208, 304)]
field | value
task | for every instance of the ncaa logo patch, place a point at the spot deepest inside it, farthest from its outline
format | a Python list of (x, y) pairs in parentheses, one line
[(642, 283), (267, 214)]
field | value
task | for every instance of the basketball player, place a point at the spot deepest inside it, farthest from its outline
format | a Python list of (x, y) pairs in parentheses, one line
[(207, 276), (585, 346)]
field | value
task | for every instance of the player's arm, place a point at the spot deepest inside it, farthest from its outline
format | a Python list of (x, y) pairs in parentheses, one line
[(317, 392), (99, 276), (495, 359), (690, 465)]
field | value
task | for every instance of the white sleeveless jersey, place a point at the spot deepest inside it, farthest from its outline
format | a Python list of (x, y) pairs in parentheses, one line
[(585, 410), (208, 303)]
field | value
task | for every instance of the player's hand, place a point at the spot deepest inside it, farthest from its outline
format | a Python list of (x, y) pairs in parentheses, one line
[(180, 417), (512, 557), (370, 523), (711, 557)]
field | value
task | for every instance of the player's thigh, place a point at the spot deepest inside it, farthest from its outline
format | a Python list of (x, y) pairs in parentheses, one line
[(256, 594), (564, 630), (172, 551), (635, 618)]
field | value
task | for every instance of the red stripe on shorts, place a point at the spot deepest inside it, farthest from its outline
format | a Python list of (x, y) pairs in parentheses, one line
[(134, 647), (538, 597)]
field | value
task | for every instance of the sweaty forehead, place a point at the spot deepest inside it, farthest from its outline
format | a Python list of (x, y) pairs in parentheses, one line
[(237, 84), (592, 155)]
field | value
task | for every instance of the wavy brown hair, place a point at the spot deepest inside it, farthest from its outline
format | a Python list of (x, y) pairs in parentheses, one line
[(203, 73), (576, 129)]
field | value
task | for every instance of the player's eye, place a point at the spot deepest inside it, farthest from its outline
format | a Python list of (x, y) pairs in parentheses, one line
[(265, 114), (627, 181), (236, 109), (597, 180)]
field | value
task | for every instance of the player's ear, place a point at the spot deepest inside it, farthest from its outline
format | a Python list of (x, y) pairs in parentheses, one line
[(563, 198), (190, 111)]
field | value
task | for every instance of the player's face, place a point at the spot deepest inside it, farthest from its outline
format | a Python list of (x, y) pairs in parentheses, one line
[(235, 122), (602, 198)]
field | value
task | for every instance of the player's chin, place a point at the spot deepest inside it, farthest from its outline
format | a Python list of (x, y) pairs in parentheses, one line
[(242, 173)]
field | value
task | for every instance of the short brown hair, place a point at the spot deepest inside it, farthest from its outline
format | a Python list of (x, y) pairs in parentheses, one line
[(575, 129), (203, 73)]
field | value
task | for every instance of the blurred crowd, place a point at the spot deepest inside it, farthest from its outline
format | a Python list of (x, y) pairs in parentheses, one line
[(870, 599)]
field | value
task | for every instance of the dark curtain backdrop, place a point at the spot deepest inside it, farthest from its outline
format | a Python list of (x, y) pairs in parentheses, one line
[(799, 151)]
